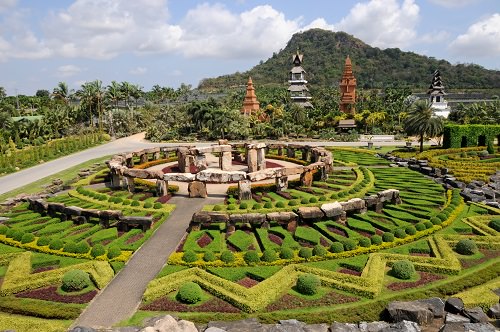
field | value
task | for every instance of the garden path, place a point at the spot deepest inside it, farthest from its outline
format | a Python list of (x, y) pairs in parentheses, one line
[(121, 298)]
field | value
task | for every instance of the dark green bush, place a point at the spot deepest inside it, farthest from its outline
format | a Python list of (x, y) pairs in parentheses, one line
[(495, 224), (243, 206), (27, 238), (334, 196), (251, 257), (436, 221), (420, 227), (322, 198), (304, 200), (157, 206), (280, 204), (268, 205), (365, 242), (189, 293), (286, 253), (148, 205), (387, 237), (466, 247), (3, 229), (70, 246), (56, 244), (428, 224), (269, 255), (75, 280), (126, 202), (43, 241), (97, 250), (135, 203), (227, 256), (411, 230), (231, 207), (336, 247), (403, 269), (209, 256), (305, 252), (293, 202), (217, 208), (400, 233), (17, 235), (349, 244), (114, 252), (82, 247), (256, 206), (10, 232), (441, 216), (307, 284), (376, 239), (319, 250)]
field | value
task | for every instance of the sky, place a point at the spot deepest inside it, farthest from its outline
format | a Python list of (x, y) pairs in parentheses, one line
[(169, 42)]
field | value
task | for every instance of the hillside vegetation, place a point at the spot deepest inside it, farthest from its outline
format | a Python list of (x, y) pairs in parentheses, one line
[(324, 55)]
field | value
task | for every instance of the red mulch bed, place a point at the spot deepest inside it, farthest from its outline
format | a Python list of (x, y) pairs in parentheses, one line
[(350, 271), (425, 278), (488, 254), (247, 282), (145, 195), (363, 233), (231, 247), (257, 198), (379, 232), (275, 238), (50, 294), (294, 302), (267, 196), (134, 238), (324, 242), (270, 164), (337, 231), (322, 185), (105, 242), (422, 254), (213, 305), (305, 244), (204, 240), (285, 195), (164, 199), (44, 268)]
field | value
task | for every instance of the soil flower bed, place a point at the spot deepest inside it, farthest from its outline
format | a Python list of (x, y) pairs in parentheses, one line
[(289, 301), (425, 278), (213, 305), (50, 294)]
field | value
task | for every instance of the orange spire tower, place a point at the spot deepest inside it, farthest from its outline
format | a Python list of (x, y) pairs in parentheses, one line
[(250, 103), (348, 89)]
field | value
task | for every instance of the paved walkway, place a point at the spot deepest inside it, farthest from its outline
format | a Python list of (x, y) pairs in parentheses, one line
[(121, 298)]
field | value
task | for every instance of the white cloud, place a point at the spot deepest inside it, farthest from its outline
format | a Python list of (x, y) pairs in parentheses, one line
[(67, 70), (434, 37), (138, 71), (453, 3), (319, 23), (212, 30), (481, 39), (383, 23), (7, 4)]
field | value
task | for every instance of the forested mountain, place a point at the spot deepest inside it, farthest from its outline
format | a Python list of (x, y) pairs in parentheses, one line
[(324, 55)]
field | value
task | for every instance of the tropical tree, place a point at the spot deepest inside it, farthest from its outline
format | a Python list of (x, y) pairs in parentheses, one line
[(62, 93), (421, 121)]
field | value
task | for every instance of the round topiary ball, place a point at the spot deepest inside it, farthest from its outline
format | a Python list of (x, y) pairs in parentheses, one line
[(251, 257), (307, 284), (428, 224), (189, 256), (495, 224), (336, 247), (365, 242), (97, 250), (114, 252), (305, 252), (400, 233), (209, 256), (286, 253), (420, 227), (227, 257), (388, 237), (56, 244), (75, 280), (403, 269), (256, 206), (349, 244), (376, 239), (243, 205), (411, 230), (466, 247), (27, 238), (313, 200), (280, 204), (319, 250), (189, 293), (435, 221), (3, 229), (43, 241), (82, 247), (268, 205), (269, 255)]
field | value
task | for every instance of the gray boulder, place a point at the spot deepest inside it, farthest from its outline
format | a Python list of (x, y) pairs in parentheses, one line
[(404, 326), (494, 311), (344, 327), (435, 305), (468, 327), (452, 318), (411, 311), (476, 315), (454, 305)]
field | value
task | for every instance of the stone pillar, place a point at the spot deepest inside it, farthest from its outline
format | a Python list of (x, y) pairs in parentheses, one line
[(306, 179), (104, 222), (265, 224), (280, 150), (225, 160), (156, 155), (290, 152), (230, 229), (143, 158), (261, 159), (281, 182), (252, 160), (130, 162), (184, 161), (200, 162), (324, 173), (162, 187), (130, 184), (197, 189), (244, 190), (115, 180), (306, 154)]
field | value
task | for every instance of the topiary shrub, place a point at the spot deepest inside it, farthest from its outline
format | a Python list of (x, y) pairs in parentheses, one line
[(387, 237), (70, 246), (304, 200), (114, 252), (495, 224), (135, 203), (365, 242), (10, 233), (243, 206), (280, 204), (148, 205), (376, 239), (435, 221), (75, 280), (428, 224), (157, 206), (97, 250), (420, 227), (126, 202), (18, 235), (441, 216), (489, 148), (231, 207), (466, 247), (190, 292), (403, 269), (411, 230), (256, 206), (305, 252), (307, 284), (313, 200), (349, 244), (217, 208), (43, 241), (286, 253), (27, 238), (189, 256), (400, 233), (3, 229), (82, 247), (227, 257), (336, 247), (268, 205), (322, 198), (293, 202), (251, 257), (319, 250), (209, 256), (269, 255), (56, 244), (334, 196)]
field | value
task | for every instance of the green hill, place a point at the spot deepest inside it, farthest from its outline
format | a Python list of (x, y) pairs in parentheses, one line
[(324, 55)]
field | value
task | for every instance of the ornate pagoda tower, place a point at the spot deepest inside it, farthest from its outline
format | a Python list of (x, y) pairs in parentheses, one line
[(250, 104), (299, 93), (436, 95), (348, 89)]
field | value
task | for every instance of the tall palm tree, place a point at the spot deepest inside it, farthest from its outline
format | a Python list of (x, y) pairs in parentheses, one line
[(421, 121), (86, 96), (62, 93)]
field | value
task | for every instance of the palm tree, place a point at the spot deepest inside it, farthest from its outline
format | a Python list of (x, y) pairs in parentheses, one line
[(113, 95), (86, 96), (421, 121), (62, 93)]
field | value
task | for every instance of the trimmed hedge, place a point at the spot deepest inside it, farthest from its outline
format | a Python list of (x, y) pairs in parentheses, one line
[(75, 280), (189, 293), (403, 269), (307, 284)]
